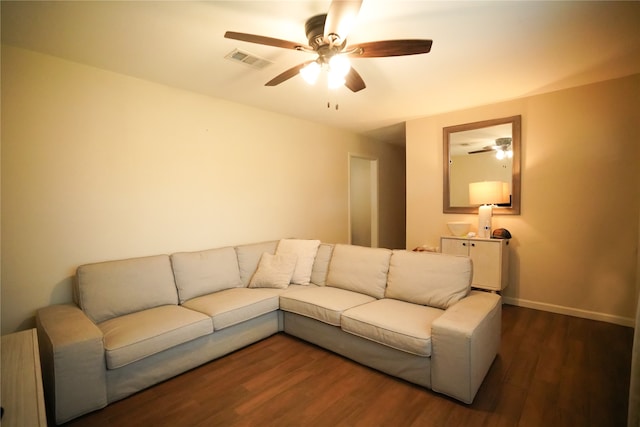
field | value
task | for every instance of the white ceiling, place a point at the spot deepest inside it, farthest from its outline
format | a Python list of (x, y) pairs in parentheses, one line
[(483, 52)]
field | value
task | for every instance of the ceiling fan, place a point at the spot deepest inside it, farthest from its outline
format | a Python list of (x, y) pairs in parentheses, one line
[(327, 36), (502, 147)]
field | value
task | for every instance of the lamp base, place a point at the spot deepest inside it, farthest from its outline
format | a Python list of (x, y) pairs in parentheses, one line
[(484, 221)]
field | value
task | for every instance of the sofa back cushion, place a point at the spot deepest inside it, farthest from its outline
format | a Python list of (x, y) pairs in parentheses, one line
[(204, 272), (249, 257), (359, 269), (115, 288), (321, 264), (428, 278)]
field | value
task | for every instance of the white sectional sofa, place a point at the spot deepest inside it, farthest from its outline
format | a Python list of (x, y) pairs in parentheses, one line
[(136, 322)]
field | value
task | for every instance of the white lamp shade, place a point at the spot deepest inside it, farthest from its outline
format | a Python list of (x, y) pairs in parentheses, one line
[(488, 192)]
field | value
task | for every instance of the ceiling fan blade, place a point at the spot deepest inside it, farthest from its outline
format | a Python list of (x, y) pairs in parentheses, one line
[(390, 48), (291, 72), (269, 41), (353, 81), (340, 19), (484, 150)]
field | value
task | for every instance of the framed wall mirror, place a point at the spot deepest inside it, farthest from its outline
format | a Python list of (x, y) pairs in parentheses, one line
[(482, 151)]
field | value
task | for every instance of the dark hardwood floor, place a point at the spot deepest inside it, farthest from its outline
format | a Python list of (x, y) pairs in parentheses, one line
[(552, 370)]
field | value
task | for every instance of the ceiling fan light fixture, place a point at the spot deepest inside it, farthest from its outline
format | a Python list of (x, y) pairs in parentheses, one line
[(503, 148), (340, 65), (501, 153), (310, 72)]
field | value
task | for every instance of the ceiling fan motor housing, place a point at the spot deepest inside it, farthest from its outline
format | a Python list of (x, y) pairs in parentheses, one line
[(314, 28), (503, 142)]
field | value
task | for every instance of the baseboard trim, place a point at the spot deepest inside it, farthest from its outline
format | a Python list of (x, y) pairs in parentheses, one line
[(576, 312)]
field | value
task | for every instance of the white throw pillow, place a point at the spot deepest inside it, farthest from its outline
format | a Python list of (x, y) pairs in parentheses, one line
[(305, 251), (274, 271), (249, 258)]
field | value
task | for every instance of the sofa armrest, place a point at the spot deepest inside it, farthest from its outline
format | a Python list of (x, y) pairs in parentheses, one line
[(73, 361), (465, 341)]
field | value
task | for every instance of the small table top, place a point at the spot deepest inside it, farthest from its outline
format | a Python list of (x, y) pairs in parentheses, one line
[(22, 393)]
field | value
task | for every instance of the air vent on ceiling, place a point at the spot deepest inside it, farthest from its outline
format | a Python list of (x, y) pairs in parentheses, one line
[(249, 59)]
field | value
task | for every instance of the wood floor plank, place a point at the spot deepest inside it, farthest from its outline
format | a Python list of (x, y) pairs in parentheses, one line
[(540, 405), (551, 370)]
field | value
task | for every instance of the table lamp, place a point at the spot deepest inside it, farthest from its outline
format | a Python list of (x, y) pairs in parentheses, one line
[(485, 194)]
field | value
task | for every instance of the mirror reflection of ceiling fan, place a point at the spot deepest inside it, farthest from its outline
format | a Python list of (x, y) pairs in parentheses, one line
[(502, 147), (327, 36)]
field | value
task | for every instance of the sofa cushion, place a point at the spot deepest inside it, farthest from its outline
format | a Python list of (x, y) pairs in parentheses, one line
[(233, 306), (397, 324), (322, 303), (274, 271), (359, 269), (294, 288), (203, 272), (115, 288), (428, 278), (134, 336), (249, 257), (305, 251), (321, 264)]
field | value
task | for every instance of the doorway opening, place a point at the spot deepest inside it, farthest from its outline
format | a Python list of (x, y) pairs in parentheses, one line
[(363, 201)]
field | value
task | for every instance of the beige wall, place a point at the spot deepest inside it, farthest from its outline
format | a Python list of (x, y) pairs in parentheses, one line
[(98, 166), (575, 244)]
